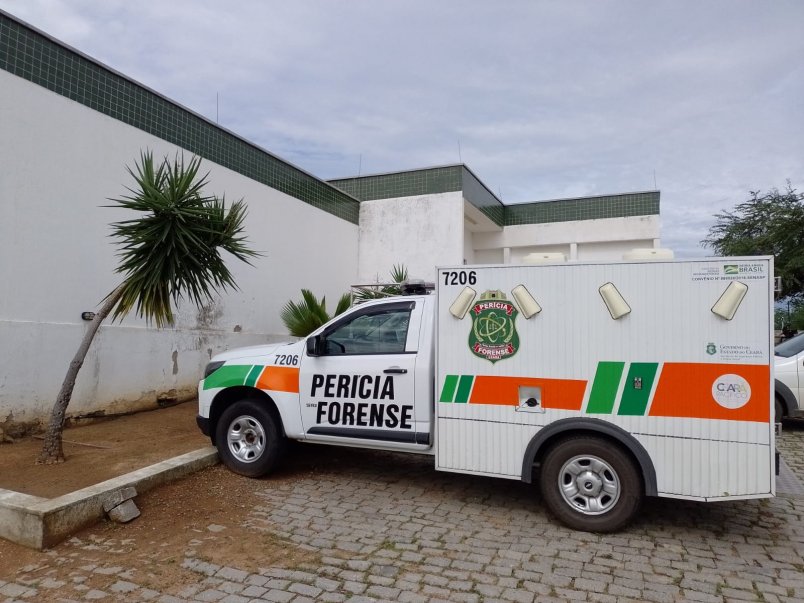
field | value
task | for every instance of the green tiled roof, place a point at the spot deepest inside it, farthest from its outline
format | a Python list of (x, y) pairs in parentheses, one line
[(454, 178), (583, 208), (428, 181), (38, 58)]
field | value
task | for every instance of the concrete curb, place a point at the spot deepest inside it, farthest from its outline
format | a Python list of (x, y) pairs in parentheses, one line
[(43, 522)]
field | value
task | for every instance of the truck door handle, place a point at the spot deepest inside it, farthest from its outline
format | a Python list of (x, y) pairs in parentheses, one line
[(395, 370)]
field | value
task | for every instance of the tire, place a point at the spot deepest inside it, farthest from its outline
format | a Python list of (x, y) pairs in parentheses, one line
[(778, 410), (590, 484), (249, 438)]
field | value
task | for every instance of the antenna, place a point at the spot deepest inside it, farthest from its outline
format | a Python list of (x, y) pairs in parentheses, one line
[(217, 108), (654, 181), (460, 159), (360, 165)]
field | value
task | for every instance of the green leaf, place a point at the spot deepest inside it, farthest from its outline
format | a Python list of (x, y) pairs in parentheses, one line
[(171, 250)]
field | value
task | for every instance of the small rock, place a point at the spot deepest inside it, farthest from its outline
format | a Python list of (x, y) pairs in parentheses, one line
[(215, 528)]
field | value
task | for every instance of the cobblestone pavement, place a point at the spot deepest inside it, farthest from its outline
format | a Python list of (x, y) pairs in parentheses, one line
[(791, 446), (385, 527)]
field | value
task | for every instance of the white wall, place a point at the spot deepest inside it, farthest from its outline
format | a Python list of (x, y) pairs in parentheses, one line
[(61, 162), (489, 256), (468, 247), (606, 238), (420, 232)]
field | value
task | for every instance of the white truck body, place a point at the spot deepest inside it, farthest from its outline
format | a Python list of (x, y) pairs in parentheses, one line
[(669, 362)]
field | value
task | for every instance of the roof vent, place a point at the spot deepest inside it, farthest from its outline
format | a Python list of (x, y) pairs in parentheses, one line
[(649, 253)]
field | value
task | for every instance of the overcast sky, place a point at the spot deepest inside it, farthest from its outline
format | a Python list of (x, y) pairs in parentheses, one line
[(541, 99)]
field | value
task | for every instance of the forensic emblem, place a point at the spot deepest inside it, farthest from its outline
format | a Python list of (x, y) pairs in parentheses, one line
[(493, 335)]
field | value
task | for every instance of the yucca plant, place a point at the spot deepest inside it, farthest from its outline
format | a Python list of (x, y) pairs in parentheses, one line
[(306, 316), (170, 252)]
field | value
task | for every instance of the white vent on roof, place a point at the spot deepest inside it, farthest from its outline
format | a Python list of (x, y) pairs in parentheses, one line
[(649, 253), (544, 258)]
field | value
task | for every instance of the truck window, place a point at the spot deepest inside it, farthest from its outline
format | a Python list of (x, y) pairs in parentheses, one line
[(791, 347), (382, 332)]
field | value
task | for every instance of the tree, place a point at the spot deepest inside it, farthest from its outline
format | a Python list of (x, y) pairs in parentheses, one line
[(169, 252), (304, 317), (791, 315), (767, 224)]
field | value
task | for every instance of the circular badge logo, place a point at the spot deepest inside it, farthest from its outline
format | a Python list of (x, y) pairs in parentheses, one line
[(731, 391)]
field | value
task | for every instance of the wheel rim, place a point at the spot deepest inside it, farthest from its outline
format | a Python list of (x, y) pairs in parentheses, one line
[(589, 484), (246, 438)]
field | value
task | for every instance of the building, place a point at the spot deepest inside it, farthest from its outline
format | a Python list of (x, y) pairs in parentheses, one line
[(69, 126), (455, 219)]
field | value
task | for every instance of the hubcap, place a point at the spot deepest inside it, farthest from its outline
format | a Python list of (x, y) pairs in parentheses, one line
[(246, 439), (589, 485)]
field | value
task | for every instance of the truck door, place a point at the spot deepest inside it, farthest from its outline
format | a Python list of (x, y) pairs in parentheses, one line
[(358, 383)]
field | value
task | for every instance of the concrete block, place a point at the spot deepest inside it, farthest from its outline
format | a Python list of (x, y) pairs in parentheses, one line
[(124, 512)]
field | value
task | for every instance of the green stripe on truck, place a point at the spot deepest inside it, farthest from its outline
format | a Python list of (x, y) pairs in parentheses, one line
[(228, 375), (448, 392), (464, 388), (634, 401), (604, 388)]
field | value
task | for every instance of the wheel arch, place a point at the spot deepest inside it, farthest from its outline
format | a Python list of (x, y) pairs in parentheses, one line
[(786, 396), (546, 436), (225, 398)]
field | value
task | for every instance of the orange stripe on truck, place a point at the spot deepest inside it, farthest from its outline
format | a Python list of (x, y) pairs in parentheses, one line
[(279, 379), (688, 390), (563, 394)]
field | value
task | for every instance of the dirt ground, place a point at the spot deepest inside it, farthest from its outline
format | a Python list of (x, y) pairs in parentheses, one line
[(102, 450), (206, 513), (206, 509)]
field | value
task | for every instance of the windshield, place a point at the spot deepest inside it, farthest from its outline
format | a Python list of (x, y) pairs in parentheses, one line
[(791, 347)]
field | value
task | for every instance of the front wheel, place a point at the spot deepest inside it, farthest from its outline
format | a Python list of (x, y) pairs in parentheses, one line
[(589, 484), (249, 439)]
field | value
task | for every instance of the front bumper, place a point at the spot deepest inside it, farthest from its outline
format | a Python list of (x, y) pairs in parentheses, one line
[(203, 425)]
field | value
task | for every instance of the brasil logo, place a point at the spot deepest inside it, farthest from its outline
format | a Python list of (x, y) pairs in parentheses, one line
[(493, 335)]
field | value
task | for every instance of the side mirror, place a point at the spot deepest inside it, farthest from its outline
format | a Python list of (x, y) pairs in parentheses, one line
[(315, 345)]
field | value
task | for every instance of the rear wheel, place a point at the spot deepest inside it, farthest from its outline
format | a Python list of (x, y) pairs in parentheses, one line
[(249, 438), (590, 484), (778, 410)]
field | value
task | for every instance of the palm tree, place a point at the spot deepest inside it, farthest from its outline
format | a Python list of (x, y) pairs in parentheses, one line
[(304, 317), (399, 274), (171, 251)]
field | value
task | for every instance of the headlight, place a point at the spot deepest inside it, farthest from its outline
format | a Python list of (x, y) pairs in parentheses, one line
[(212, 367)]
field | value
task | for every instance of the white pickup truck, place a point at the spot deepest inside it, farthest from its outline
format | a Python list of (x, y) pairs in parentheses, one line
[(606, 382), (789, 369)]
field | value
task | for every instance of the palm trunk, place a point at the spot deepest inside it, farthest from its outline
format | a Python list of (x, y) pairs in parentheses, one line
[(52, 451)]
